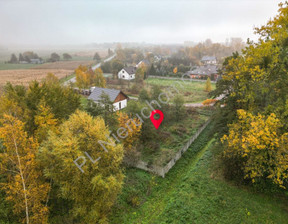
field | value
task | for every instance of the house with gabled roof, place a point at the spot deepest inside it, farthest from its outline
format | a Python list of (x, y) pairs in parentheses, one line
[(209, 60), (144, 62), (117, 97), (127, 73), (203, 72)]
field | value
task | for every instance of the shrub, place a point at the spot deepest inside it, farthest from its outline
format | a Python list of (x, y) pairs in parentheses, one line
[(209, 101)]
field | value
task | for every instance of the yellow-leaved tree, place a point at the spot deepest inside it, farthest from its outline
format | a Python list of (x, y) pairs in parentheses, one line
[(83, 78), (257, 143), (45, 121), (131, 130), (175, 70), (208, 86), (93, 188), (99, 79), (25, 186)]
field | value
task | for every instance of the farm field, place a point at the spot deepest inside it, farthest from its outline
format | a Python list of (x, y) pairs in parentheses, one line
[(24, 76), (7, 66), (194, 192), (69, 65)]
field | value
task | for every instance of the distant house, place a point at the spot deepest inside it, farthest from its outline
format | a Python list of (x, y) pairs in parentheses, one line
[(203, 72), (157, 58), (127, 73), (32, 61), (36, 61), (209, 60), (117, 97), (144, 62)]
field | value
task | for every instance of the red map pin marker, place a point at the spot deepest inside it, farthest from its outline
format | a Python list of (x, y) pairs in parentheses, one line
[(159, 121)]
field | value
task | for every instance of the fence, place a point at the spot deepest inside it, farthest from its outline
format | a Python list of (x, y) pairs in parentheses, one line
[(161, 171)]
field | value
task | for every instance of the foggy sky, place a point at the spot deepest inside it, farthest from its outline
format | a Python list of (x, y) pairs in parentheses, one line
[(153, 21)]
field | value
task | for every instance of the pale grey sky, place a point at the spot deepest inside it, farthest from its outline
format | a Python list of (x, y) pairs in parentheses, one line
[(154, 21)]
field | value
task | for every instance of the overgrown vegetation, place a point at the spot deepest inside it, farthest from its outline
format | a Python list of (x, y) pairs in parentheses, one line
[(194, 191)]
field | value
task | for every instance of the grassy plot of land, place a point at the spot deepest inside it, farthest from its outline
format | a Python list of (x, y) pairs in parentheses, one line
[(190, 194), (192, 91), (173, 135)]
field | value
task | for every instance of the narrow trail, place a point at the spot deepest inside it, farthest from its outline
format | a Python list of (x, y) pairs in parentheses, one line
[(156, 204)]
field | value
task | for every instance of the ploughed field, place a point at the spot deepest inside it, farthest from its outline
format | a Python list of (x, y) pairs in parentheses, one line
[(25, 76)]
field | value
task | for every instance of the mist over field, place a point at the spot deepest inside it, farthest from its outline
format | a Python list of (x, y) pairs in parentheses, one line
[(47, 24)]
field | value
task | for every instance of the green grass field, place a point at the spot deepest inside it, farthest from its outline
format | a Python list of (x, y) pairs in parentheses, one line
[(193, 91), (191, 193), (4, 66)]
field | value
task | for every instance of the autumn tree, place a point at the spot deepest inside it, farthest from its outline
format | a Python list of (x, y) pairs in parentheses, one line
[(257, 144), (51, 78), (24, 186), (82, 77), (45, 122), (175, 70), (208, 86), (254, 83), (94, 188), (131, 128), (99, 79), (24, 104)]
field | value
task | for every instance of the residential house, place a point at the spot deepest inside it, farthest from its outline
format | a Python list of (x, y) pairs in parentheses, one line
[(157, 58), (36, 61), (32, 61), (203, 72), (127, 73), (209, 60), (117, 97), (144, 62)]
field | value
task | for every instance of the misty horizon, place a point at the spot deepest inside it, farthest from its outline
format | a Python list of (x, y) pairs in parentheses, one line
[(79, 23)]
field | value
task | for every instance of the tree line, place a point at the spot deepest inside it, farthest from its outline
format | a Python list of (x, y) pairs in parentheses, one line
[(253, 121)]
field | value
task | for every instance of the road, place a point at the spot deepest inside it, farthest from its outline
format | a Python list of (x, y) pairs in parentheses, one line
[(73, 80)]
